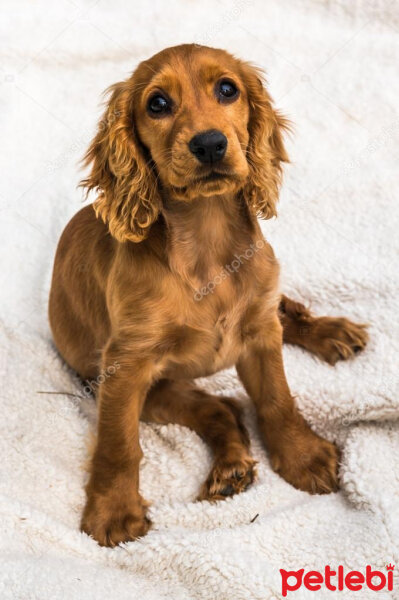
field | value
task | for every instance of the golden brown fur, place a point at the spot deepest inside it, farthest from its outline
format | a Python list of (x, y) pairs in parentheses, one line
[(167, 277)]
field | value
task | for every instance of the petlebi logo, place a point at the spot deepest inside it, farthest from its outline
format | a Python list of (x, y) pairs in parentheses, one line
[(337, 579)]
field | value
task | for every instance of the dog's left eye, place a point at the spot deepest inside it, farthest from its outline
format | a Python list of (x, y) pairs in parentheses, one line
[(158, 105), (227, 91)]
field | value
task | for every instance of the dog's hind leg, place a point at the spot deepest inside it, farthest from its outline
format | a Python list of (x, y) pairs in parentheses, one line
[(218, 421), (330, 338)]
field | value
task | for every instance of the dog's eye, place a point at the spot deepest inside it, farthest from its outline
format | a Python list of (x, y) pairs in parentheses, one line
[(227, 91), (158, 105)]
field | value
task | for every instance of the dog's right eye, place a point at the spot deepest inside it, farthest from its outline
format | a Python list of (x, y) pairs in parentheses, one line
[(158, 105)]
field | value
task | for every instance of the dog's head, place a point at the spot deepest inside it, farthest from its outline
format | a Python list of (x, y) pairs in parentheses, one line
[(190, 122)]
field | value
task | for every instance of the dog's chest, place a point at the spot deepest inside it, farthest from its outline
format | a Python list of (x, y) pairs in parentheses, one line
[(201, 348), (210, 328)]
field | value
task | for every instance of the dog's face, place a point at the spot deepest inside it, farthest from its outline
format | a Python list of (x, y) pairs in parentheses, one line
[(192, 113), (191, 122)]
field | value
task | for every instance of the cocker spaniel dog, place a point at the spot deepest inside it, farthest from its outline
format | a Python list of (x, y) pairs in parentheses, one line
[(167, 277)]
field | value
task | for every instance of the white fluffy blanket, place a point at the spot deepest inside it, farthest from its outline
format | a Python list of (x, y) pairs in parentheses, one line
[(334, 72)]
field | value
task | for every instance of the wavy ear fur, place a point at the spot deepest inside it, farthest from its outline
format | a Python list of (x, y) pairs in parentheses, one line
[(128, 200), (266, 149)]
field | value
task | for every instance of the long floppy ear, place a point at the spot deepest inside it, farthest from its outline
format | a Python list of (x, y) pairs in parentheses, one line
[(128, 200), (265, 150)]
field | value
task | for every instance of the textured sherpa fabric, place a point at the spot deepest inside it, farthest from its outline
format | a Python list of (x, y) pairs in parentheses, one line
[(332, 68)]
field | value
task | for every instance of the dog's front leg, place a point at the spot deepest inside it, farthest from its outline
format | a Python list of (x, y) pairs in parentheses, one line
[(302, 457), (115, 511)]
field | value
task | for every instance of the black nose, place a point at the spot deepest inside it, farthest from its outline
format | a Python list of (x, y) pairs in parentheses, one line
[(209, 146)]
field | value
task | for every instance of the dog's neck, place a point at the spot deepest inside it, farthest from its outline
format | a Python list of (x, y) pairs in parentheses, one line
[(205, 234)]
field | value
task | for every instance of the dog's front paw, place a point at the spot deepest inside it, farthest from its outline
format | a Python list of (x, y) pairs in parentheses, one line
[(334, 339), (111, 520), (308, 462)]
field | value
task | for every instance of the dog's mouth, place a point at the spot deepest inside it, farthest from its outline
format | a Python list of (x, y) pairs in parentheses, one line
[(213, 176), (210, 181)]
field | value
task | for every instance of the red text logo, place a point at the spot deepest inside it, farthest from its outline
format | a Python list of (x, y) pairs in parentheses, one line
[(337, 580)]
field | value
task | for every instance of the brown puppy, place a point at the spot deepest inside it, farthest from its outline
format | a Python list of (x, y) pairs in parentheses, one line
[(167, 277)]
